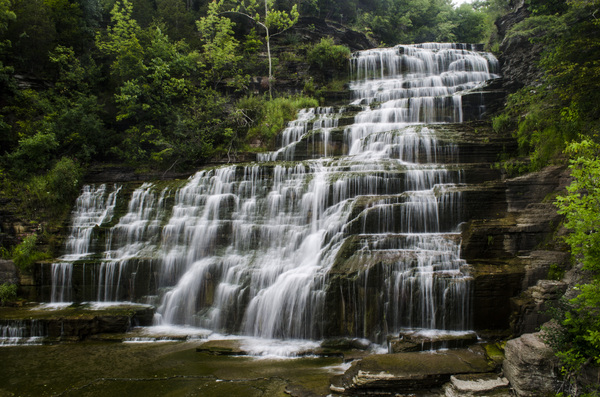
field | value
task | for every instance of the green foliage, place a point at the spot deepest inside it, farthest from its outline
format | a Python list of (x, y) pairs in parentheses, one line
[(121, 42), (263, 13), (8, 293), (414, 21), (577, 340), (555, 272), (6, 16), (57, 189), (33, 153), (269, 117), (26, 253), (177, 19), (503, 123), (536, 27), (580, 204), (220, 55), (547, 7), (329, 59), (566, 105), (541, 127), (470, 25)]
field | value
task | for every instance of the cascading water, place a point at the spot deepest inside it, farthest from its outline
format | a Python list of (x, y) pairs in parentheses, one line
[(361, 244), (93, 207)]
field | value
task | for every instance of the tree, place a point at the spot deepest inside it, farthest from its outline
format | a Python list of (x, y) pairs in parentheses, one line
[(121, 42), (220, 55), (32, 35), (148, 103), (178, 20), (6, 82), (471, 25), (267, 18)]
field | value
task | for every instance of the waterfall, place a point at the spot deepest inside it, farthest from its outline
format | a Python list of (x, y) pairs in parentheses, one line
[(93, 207), (356, 234)]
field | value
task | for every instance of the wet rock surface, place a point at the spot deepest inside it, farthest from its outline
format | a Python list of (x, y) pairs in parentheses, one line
[(76, 322), (510, 244), (417, 341)]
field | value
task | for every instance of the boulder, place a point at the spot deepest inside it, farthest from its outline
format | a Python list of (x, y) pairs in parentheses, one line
[(530, 366)]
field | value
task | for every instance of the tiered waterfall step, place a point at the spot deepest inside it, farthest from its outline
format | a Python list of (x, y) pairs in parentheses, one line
[(44, 323)]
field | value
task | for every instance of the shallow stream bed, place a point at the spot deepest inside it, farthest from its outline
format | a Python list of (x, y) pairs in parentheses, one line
[(154, 369)]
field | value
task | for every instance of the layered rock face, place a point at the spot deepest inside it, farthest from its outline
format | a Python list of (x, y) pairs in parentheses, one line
[(520, 56)]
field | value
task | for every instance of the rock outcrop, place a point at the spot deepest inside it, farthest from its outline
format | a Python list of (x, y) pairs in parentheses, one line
[(530, 309), (519, 56), (530, 366)]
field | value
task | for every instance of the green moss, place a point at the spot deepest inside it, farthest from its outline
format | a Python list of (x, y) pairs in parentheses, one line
[(555, 272)]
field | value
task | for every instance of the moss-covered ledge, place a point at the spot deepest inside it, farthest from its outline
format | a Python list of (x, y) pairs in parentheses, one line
[(73, 322)]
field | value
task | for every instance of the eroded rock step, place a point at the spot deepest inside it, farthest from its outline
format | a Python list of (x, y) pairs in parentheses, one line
[(41, 323), (393, 374)]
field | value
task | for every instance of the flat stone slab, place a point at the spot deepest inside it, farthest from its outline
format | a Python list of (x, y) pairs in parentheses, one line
[(222, 347), (408, 372), (477, 385), (430, 340), (241, 347)]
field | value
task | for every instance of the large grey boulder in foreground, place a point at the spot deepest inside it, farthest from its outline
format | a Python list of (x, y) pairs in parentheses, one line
[(530, 366)]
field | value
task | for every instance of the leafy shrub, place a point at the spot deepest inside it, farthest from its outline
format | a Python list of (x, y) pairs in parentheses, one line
[(547, 7), (539, 124), (8, 293), (59, 187), (503, 123), (328, 58), (33, 153), (26, 253), (267, 118), (576, 339)]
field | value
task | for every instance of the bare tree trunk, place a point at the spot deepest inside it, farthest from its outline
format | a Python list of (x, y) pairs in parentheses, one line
[(269, 51)]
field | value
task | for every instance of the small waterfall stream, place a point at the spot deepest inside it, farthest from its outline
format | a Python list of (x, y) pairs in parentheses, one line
[(355, 236)]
